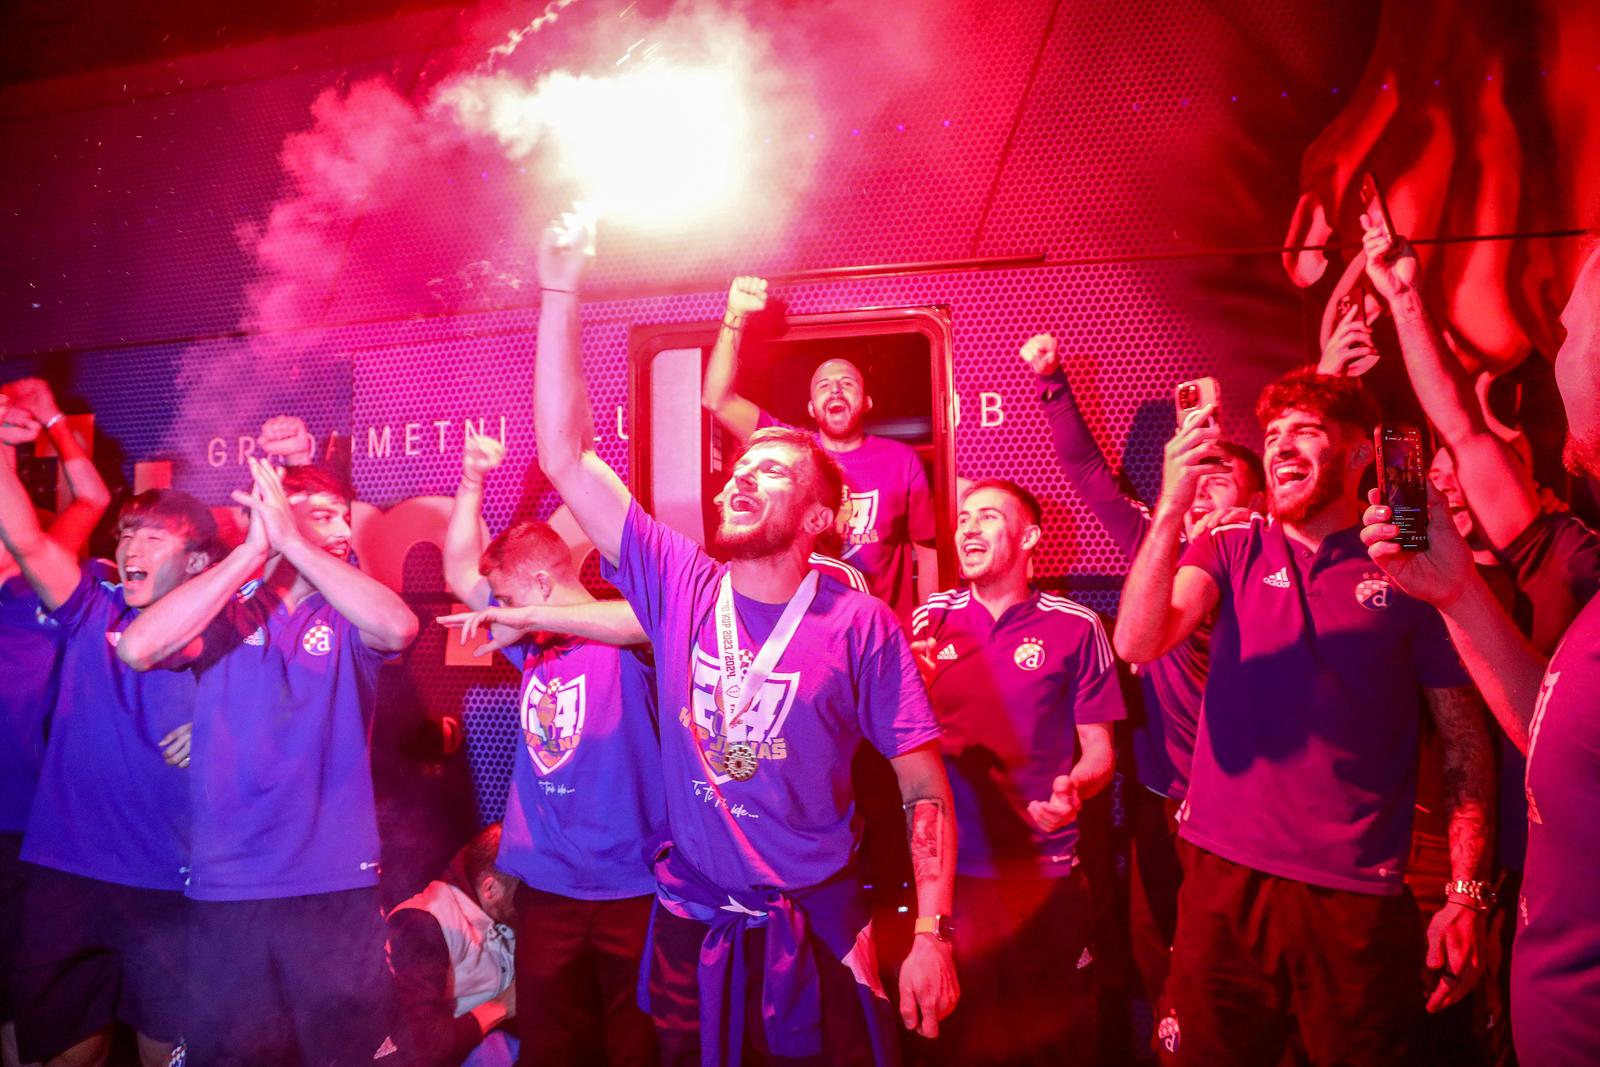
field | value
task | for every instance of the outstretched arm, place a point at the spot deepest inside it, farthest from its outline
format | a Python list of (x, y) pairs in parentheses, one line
[(1498, 488), (77, 520), (50, 568), (738, 416), (1124, 518), (928, 987), (610, 622), (563, 423), (463, 534)]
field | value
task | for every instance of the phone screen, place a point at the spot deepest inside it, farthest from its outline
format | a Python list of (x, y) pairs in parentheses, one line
[(1402, 482)]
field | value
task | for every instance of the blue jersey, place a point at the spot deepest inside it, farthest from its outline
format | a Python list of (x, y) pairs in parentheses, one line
[(586, 807), (108, 805), (30, 645), (283, 719)]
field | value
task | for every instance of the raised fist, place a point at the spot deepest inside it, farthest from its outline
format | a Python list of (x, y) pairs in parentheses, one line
[(747, 295), (481, 454), (34, 396), (1042, 354), (286, 437), (17, 427), (565, 251)]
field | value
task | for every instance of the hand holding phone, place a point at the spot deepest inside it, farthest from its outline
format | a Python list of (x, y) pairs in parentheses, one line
[(1403, 483), (1197, 393)]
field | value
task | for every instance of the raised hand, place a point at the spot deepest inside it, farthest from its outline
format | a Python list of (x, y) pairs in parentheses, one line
[(1391, 261), (17, 425), (747, 295), (1062, 807), (1349, 343), (268, 505), (1042, 354), (1186, 456), (286, 437), (34, 396), (1437, 574), (565, 251), (515, 622), (481, 454)]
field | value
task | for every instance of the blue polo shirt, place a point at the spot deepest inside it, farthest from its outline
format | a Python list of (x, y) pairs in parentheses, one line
[(283, 720), (1555, 964), (30, 645), (586, 809), (108, 806), (1009, 694), (1305, 765)]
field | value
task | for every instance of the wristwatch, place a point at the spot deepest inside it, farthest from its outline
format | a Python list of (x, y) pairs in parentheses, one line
[(1481, 894), (941, 926)]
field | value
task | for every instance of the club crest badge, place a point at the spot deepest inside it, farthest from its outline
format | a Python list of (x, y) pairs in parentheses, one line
[(1374, 592), (318, 640), (1029, 655), (552, 718)]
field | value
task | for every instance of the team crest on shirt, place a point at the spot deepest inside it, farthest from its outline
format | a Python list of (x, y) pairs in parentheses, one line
[(552, 717), (1373, 591), (863, 528), (318, 640), (1030, 654), (761, 727)]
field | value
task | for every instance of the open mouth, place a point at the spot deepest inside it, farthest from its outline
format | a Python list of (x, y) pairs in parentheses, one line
[(836, 407), (973, 549), (339, 549), (1289, 474), (742, 505)]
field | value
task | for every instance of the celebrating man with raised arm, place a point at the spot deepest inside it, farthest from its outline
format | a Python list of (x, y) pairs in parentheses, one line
[(1293, 914), (1547, 705), (285, 936), (768, 680), (891, 512)]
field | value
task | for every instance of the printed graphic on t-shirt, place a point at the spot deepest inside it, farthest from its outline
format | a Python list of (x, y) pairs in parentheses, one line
[(552, 716), (863, 522), (761, 725)]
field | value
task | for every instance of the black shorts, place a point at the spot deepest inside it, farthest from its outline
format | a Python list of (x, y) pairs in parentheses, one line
[(1259, 960), (91, 953), (13, 879), (298, 979)]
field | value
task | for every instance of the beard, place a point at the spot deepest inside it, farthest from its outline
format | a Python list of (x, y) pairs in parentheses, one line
[(1323, 492), (768, 538), (844, 425), (1580, 457)]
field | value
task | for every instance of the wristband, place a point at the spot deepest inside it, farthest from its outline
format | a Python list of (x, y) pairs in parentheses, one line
[(53, 419)]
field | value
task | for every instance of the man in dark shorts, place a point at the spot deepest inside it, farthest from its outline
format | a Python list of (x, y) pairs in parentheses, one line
[(107, 844), (768, 679), (891, 512), (1546, 705), (1026, 690), (286, 933), (1293, 919)]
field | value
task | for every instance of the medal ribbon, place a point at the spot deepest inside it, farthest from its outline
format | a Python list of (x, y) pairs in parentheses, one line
[(739, 688)]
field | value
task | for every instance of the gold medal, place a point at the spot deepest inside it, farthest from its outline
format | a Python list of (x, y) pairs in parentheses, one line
[(740, 759)]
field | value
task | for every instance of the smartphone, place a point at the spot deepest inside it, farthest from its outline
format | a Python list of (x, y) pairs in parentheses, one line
[(1197, 394), (1356, 298), (1403, 482), (1373, 203)]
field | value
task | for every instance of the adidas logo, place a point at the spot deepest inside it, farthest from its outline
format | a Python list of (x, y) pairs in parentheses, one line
[(388, 1048), (1085, 959), (947, 652), (1279, 579), (257, 638)]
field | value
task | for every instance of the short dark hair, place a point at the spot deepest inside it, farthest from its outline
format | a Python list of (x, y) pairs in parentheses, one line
[(1336, 398), (176, 512), (527, 544), (1248, 459), (313, 478), (479, 856), (1029, 502), (826, 480)]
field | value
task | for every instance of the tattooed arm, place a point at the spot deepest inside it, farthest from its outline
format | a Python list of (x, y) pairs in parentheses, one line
[(1456, 934), (928, 988)]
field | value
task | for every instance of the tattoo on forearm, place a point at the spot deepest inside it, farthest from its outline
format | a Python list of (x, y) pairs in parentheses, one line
[(925, 830), (1468, 771)]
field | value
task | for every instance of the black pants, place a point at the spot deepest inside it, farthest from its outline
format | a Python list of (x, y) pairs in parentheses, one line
[(296, 980), (577, 981), (1027, 977), (1154, 877), (1259, 959)]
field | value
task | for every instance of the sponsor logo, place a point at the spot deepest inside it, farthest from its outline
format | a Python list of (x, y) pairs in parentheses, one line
[(318, 640), (386, 1049), (257, 638), (761, 727), (1278, 579), (553, 714), (1029, 655), (1373, 592), (1085, 958), (948, 652)]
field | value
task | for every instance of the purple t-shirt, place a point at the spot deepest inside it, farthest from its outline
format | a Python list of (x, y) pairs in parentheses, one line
[(585, 808), (846, 677), (1555, 965), (1305, 766), (283, 717), (30, 645), (1010, 694), (890, 508), (108, 806)]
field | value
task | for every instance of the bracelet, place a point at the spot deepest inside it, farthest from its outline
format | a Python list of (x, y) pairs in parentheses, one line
[(551, 289), (53, 419), (726, 325)]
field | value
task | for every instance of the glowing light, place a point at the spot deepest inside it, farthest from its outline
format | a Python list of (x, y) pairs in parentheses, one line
[(653, 144)]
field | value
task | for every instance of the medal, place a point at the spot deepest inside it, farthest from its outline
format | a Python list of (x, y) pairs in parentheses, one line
[(740, 759)]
